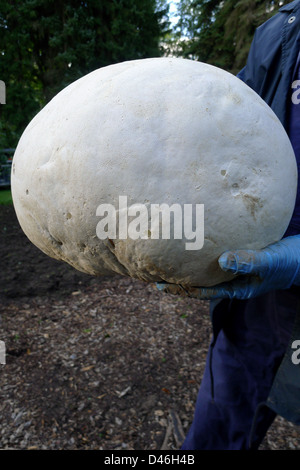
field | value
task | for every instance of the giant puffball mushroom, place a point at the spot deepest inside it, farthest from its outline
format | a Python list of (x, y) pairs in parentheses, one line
[(127, 138)]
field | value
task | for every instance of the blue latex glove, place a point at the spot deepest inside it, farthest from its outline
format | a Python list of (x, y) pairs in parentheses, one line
[(275, 267)]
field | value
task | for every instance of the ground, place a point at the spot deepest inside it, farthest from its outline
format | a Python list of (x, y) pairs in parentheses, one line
[(97, 363)]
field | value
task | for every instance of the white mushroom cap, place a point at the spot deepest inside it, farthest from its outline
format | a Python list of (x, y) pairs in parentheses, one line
[(157, 131)]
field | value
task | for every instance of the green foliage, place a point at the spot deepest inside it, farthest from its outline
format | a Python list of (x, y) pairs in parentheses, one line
[(220, 32), (47, 44), (5, 197)]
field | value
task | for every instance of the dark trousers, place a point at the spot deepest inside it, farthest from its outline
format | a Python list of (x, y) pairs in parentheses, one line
[(250, 339)]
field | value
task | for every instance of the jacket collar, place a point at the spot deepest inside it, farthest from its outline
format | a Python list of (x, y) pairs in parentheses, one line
[(291, 6)]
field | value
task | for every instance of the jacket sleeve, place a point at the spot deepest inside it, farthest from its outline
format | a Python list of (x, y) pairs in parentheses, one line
[(241, 74), (262, 71)]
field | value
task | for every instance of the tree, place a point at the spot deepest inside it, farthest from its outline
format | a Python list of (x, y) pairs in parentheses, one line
[(220, 32), (47, 44)]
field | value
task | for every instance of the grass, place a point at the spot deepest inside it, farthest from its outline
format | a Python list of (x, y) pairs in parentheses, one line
[(5, 196)]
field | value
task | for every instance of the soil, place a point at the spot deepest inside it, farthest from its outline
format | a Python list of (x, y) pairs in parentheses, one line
[(97, 363)]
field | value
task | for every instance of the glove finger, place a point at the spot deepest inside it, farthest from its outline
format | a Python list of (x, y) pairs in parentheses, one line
[(241, 288), (161, 285), (175, 289), (245, 262), (213, 293), (203, 293)]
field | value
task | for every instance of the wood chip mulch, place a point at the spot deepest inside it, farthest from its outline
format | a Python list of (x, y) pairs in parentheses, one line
[(97, 363)]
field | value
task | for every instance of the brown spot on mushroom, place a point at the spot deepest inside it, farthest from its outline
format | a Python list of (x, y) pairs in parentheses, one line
[(252, 203)]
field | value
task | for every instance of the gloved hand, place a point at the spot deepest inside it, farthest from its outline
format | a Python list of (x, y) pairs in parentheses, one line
[(275, 267)]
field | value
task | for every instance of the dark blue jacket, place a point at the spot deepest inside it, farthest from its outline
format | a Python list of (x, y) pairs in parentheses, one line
[(269, 71), (272, 58)]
